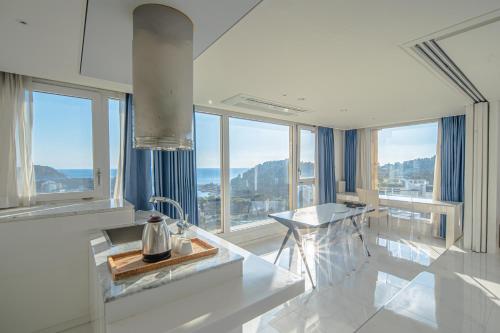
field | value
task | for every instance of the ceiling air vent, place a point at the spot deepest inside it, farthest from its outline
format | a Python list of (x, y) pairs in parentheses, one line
[(435, 56), (259, 104)]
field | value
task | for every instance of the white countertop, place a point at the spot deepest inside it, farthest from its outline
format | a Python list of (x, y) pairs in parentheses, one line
[(220, 308), (113, 290), (60, 209)]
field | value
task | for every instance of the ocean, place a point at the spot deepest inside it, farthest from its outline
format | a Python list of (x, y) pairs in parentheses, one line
[(82, 173), (212, 175), (203, 175)]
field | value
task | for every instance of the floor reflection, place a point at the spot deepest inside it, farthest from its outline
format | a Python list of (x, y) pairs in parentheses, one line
[(350, 286)]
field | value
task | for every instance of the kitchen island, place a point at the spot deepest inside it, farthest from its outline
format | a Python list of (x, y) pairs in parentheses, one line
[(215, 294)]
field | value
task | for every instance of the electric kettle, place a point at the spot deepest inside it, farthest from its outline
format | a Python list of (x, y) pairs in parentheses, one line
[(156, 241)]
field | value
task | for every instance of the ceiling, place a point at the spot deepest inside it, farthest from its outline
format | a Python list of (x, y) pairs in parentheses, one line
[(482, 64), (327, 56), (107, 50)]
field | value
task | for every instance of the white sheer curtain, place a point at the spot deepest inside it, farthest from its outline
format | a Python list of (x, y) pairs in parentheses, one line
[(16, 122), (363, 164), (436, 188), (118, 190)]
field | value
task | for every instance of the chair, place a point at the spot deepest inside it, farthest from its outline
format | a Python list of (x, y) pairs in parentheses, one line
[(370, 197), (361, 194)]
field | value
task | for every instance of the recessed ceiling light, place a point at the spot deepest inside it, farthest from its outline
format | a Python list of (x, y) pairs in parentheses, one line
[(301, 99), (284, 95), (343, 110), (23, 22), (210, 102)]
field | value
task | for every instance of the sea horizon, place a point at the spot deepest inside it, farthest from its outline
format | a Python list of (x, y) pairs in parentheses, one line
[(203, 175)]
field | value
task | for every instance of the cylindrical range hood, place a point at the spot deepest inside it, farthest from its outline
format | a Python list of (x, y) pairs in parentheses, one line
[(162, 61)]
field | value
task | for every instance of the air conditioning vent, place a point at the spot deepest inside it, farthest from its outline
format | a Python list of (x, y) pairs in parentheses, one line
[(260, 104), (434, 55)]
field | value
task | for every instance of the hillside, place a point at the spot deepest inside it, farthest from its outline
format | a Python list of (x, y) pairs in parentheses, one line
[(420, 168)]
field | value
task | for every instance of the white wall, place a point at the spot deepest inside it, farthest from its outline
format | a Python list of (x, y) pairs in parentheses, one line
[(44, 272)]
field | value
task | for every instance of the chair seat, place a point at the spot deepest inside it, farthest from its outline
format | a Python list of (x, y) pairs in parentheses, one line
[(379, 212)]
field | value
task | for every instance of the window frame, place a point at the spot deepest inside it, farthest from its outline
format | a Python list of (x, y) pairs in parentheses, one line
[(309, 180), (100, 136), (375, 166), (290, 172), (220, 118), (293, 179)]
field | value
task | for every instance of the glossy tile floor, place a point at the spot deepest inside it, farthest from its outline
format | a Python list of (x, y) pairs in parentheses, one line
[(459, 293), (351, 288), (408, 285)]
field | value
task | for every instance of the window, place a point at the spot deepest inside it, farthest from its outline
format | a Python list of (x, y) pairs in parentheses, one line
[(306, 186), (208, 171), (62, 143), (307, 152), (71, 132), (114, 128), (406, 158), (247, 168), (259, 170)]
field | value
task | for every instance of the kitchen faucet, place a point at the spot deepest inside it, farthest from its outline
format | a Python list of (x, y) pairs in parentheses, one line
[(183, 225)]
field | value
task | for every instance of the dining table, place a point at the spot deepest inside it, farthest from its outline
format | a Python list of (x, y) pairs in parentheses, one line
[(314, 218)]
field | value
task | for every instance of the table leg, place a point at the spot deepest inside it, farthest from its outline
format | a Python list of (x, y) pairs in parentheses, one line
[(298, 240), (358, 230), (287, 236)]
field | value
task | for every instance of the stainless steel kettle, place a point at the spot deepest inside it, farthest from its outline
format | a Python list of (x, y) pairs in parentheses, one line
[(156, 241)]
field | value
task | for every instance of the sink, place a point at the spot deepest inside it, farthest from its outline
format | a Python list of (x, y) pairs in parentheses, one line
[(123, 235)]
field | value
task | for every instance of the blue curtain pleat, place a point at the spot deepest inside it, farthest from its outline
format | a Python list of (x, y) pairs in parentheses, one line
[(326, 167), (452, 163), (137, 177), (175, 178), (351, 139)]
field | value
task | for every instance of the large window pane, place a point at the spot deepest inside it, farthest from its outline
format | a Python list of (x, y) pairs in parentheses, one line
[(307, 153), (208, 172), (305, 195), (406, 157), (62, 143), (114, 142), (259, 154)]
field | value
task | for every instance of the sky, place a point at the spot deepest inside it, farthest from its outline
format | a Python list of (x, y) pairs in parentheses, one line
[(62, 131), (405, 143), (62, 137), (251, 142)]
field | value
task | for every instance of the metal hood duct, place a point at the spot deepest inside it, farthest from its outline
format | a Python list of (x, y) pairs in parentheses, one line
[(162, 69)]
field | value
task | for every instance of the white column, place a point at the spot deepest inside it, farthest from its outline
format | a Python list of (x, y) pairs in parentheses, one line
[(493, 178), (476, 178)]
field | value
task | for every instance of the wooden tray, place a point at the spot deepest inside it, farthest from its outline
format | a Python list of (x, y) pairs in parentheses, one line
[(130, 263)]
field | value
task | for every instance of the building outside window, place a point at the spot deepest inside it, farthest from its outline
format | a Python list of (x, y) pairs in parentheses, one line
[(306, 173), (406, 159)]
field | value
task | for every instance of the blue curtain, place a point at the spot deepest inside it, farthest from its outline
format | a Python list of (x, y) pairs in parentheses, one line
[(137, 177), (351, 141), (175, 178), (452, 163), (326, 166)]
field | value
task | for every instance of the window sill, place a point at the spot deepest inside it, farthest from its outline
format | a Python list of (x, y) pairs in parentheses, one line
[(63, 208), (254, 231)]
